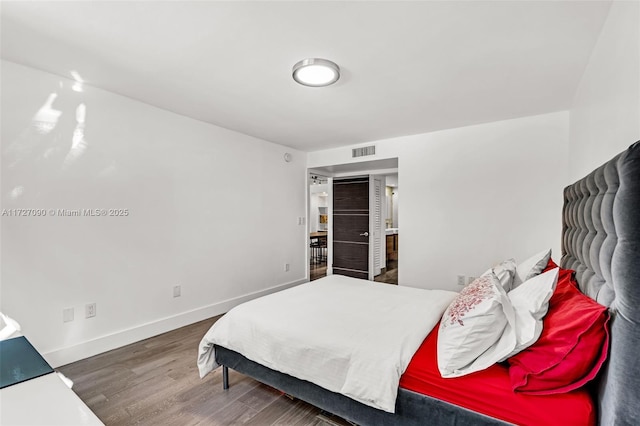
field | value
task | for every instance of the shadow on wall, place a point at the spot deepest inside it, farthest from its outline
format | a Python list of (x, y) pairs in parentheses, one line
[(50, 148)]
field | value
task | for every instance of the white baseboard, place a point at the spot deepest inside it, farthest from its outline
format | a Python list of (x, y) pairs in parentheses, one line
[(121, 338)]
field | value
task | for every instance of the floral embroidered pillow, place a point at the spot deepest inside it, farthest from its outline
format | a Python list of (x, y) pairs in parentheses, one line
[(477, 329)]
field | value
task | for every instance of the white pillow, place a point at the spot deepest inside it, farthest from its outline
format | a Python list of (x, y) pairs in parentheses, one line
[(8, 327), (505, 271), (477, 329), (530, 302), (531, 267)]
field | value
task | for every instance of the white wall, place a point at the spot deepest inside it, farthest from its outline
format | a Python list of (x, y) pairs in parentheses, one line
[(605, 116), (210, 209), (474, 196), (396, 204), (392, 200), (316, 200)]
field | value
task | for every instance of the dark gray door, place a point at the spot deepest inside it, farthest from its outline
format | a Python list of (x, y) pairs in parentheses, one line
[(351, 227)]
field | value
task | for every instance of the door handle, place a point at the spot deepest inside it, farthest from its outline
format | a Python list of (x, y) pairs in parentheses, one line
[(364, 234)]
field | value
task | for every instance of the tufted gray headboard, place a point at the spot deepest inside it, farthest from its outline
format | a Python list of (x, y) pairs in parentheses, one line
[(601, 242)]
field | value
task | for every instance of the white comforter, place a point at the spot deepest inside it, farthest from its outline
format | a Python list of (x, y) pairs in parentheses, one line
[(349, 336)]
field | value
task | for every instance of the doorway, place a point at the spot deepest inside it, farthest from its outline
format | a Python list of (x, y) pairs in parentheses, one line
[(381, 173), (318, 225), (389, 274)]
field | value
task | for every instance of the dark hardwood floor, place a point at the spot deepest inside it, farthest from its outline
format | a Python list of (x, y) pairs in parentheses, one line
[(317, 270), (156, 382), (390, 276)]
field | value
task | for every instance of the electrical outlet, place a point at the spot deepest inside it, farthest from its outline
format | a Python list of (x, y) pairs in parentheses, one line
[(286, 267), (470, 280), (461, 280), (90, 310), (177, 290), (67, 315)]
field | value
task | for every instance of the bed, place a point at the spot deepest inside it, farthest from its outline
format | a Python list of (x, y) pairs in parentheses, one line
[(601, 243)]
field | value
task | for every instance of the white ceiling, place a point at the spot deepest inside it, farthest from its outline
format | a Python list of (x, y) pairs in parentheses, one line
[(407, 67)]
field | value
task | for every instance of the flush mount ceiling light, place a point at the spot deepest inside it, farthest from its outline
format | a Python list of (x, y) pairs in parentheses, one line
[(316, 72)]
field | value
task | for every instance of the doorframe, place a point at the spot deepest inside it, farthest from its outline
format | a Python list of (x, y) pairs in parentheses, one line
[(308, 221), (372, 224), (327, 172)]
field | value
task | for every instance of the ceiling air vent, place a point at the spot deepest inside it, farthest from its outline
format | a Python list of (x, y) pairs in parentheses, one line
[(363, 152)]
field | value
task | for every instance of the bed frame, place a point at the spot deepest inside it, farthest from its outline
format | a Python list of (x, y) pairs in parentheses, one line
[(601, 242)]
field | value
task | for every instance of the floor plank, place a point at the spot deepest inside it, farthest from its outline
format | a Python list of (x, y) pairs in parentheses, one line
[(390, 276), (156, 382)]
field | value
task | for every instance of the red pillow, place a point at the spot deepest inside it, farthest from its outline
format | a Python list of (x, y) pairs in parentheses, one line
[(572, 347), (552, 265)]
